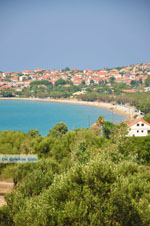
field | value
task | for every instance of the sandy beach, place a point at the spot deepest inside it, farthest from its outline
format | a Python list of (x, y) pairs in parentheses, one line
[(125, 110)]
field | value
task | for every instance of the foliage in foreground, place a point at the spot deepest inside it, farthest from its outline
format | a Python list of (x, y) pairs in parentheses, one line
[(82, 178)]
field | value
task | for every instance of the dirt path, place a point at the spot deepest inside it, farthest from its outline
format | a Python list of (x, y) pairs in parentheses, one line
[(5, 188)]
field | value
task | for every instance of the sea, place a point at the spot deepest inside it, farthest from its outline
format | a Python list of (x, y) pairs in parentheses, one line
[(23, 115)]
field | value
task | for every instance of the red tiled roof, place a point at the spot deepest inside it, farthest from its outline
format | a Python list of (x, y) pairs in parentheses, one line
[(118, 79), (93, 125), (137, 120), (129, 91), (27, 71)]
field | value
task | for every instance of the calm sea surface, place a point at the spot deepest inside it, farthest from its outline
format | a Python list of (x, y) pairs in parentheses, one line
[(26, 115)]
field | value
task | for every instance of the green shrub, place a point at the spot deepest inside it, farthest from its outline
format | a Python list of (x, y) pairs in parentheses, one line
[(99, 192)]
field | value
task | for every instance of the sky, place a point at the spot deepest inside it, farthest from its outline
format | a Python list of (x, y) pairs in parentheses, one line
[(83, 34)]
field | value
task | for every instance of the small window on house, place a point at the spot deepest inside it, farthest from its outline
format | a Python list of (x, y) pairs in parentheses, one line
[(138, 124), (142, 131), (137, 131), (148, 132), (142, 124)]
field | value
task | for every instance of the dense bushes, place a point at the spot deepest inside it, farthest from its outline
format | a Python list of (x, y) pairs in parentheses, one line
[(99, 192), (12, 142), (139, 147), (5, 218), (81, 178)]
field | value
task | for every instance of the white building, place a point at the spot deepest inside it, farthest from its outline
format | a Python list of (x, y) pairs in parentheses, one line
[(23, 78), (6, 74), (139, 128), (147, 89), (27, 72)]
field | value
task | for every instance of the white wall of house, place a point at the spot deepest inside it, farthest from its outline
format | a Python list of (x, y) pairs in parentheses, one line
[(5, 75), (147, 89), (87, 82), (23, 78), (139, 129)]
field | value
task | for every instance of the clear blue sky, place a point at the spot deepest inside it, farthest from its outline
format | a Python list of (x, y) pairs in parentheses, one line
[(75, 33)]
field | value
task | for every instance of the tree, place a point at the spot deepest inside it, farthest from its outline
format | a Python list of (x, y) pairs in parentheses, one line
[(108, 127), (101, 82), (58, 130), (133, 83), (34, 133), (67, 69), (89, 90), (100, 122), (140, 81), (83, 82), (147, 117), (20, 74), (112, 80), (90, 96), (60, 82), (69, 82), (42, 82), (147, 81), (92, 82), (7, 93)]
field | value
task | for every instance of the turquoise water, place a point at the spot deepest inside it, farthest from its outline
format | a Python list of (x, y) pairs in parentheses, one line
[(26, 115)]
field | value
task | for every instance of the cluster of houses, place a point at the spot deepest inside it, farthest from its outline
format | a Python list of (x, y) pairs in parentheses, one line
[(17, 80)]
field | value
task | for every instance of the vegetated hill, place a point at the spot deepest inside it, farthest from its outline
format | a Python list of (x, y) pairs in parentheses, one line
[(81, 178)]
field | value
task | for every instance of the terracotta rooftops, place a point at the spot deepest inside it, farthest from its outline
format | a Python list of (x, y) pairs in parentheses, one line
[(137, 120)]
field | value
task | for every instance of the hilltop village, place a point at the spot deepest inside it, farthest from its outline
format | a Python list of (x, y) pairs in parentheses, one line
[(129, 86), (133, 75)]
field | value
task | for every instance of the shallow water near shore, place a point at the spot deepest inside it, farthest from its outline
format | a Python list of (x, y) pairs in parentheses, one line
[(22, 115)]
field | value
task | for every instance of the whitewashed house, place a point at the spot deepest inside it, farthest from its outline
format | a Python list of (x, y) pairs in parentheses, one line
[(6, 74), (139, 128), (27, 72)]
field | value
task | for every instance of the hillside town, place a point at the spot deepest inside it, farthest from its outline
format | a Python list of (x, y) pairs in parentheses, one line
[(128, 75)]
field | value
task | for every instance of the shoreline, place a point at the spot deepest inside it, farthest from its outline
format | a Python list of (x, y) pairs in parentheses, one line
[(125, 110)]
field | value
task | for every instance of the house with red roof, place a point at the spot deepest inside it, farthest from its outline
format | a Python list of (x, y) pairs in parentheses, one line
[(18, 89), (146, 66), (39, 70), (6, 74), (87, 71), (77, 83), (23, 78), (27, 72), (5, 87), (139, 128)]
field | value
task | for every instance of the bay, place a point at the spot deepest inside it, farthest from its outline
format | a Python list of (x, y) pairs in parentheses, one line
[(22, 115)]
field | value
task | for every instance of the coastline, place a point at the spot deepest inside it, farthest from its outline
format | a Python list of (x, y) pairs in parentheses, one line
[(125, 110)]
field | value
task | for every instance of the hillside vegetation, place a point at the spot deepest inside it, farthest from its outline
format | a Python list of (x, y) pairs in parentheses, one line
[(82, 178)]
